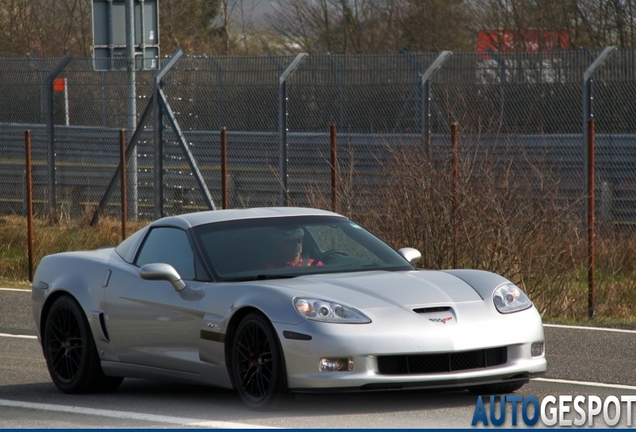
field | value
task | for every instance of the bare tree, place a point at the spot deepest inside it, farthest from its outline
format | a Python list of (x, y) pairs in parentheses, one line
[(435, 25), (45, 27), (589, 23), (189, 25), (337, 26), (607, 22), (59, 27)]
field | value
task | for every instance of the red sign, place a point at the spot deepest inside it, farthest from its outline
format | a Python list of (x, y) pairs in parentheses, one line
[(59, 84), (530, 41)]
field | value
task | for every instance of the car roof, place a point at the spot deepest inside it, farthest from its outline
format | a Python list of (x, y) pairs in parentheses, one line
[(189, 220)]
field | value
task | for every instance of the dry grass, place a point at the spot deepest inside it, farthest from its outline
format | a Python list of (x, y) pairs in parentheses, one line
[(67, 235), (506, 217)]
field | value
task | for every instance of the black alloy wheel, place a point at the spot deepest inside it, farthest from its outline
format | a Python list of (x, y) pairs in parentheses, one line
[(69, 350), (257, 363)]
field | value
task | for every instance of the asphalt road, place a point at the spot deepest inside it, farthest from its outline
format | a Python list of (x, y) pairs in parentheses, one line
[(580, 362)]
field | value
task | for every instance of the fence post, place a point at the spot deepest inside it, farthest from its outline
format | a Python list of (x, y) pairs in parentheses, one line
[(501, 62), (29, 191), (426, 99), (158, 111), (157, 174), (455, 186), (587, 92), (588, 161), (334, 169), (342, 103), (50, 131), (124, 197), (224, 198), (150, 109), (283, 197), (590, 218), (132, 100), (219, 90), (174, 124)]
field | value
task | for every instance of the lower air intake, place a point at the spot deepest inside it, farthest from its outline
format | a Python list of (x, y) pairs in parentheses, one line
[(439, 363)]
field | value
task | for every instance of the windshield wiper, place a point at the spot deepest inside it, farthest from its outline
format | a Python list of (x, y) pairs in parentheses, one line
[(260, 277)]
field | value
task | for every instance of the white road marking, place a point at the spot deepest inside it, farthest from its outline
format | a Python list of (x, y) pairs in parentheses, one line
[(18, 336), (28, 290), (180, 421), (586, 383), (589, 328)]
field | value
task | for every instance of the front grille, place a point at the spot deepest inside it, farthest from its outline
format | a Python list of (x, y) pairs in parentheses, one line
[(439, 363)]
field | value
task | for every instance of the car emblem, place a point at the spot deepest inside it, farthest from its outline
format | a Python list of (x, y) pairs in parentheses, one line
[(442, 320)]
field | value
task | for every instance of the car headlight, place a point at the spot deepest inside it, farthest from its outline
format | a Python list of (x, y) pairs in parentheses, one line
[(509, 298), (326, 311)]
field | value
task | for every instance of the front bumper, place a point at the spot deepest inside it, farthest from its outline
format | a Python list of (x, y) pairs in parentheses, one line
[(412, 335)]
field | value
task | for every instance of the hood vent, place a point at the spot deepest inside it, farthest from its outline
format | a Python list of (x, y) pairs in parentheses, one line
[(432, 309)]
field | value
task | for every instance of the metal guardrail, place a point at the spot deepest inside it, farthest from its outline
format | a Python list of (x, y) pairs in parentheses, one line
[(83, 175)]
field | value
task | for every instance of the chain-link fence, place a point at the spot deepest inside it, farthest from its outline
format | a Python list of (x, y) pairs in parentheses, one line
[(526, 107)]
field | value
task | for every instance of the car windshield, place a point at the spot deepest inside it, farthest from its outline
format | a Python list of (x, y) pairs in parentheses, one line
[(283, 247)]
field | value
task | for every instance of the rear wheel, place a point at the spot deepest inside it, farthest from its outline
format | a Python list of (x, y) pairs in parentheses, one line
[(69, 350), (258, 368)]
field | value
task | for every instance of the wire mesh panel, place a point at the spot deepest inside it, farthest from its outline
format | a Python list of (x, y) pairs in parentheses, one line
[(90, 110), (510, 92), (239, 93), (13, 168), (519, 114), (22, 88), (510, 107), (614, 111), (23, 107), (374, 100)]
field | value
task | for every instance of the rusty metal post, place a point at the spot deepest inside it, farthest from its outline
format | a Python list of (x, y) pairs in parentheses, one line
[(124, 196), (224, 168), (29, 191), (590, 217), (455, 191), (334, 170)]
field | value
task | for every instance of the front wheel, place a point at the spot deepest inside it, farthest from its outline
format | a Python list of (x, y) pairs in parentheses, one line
[(258, 369), (69, 350)]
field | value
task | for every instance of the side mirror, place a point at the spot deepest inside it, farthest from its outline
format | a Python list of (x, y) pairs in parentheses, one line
[(410, 254), (161, 271)]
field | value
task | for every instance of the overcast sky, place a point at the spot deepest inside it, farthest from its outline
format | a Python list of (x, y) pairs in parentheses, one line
[(254, 8)]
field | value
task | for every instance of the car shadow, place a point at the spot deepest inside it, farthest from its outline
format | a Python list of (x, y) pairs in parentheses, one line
[(203, 402)]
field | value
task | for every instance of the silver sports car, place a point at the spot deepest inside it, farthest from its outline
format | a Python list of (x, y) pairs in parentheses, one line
[(275, 300)]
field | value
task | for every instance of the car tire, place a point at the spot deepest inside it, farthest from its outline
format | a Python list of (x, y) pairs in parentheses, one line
[(70, 352), (496, 389), (258, 366)]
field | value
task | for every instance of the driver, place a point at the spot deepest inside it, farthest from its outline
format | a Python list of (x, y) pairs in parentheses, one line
[(288, 249)]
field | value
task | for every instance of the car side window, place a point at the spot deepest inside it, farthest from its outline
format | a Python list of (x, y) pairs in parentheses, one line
[(169, 246)]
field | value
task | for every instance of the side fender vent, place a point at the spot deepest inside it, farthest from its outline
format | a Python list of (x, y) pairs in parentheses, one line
[(102, 324)]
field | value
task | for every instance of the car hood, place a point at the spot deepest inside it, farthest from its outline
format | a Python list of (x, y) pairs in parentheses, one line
[(365, 290)]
